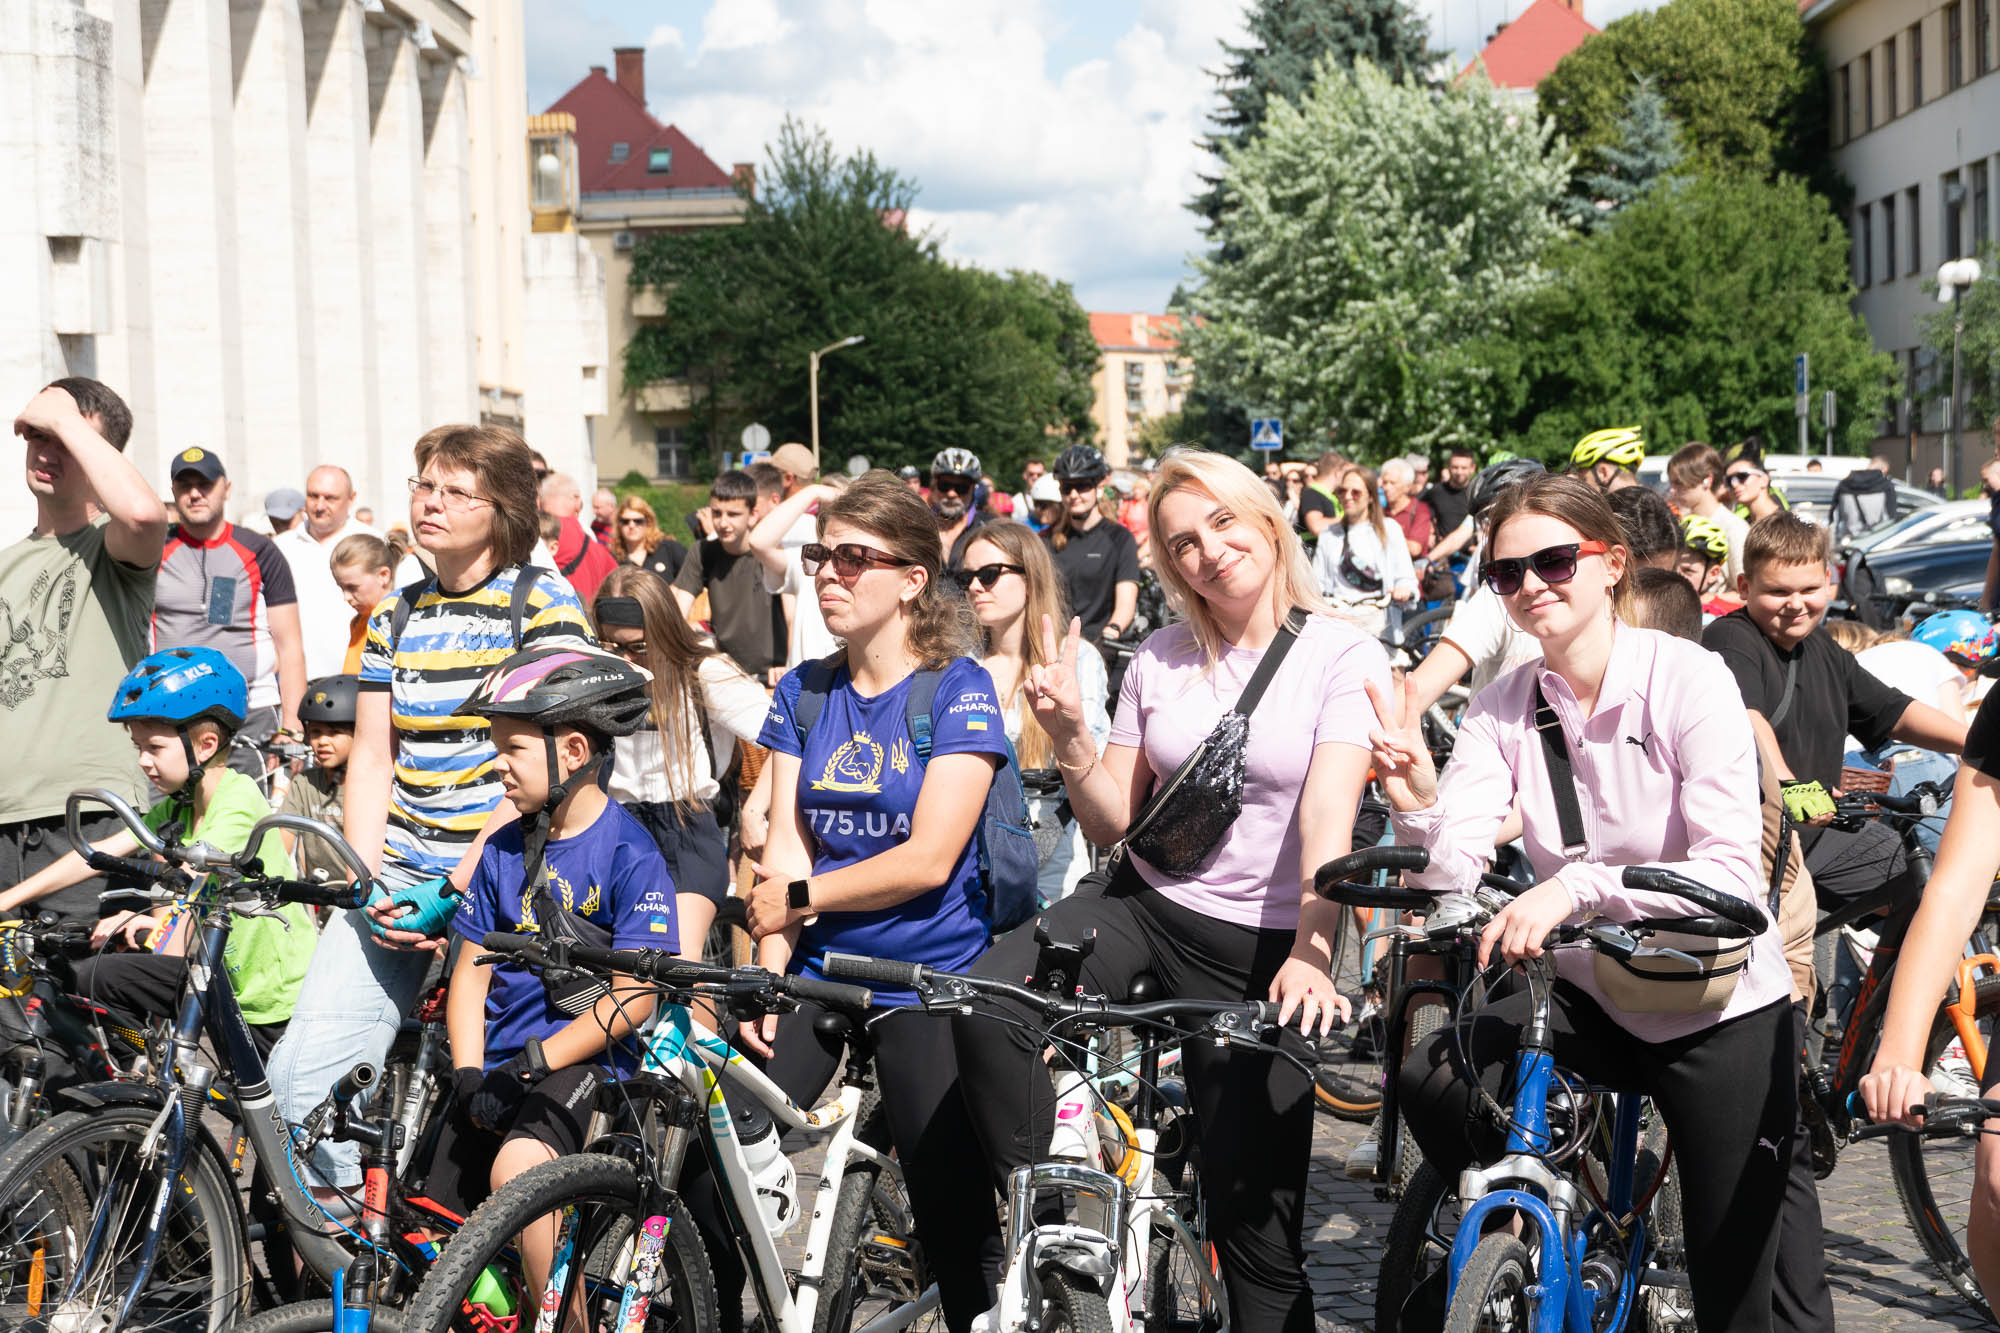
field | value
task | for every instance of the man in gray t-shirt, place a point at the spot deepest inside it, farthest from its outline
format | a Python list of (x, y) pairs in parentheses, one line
[(75, 597)]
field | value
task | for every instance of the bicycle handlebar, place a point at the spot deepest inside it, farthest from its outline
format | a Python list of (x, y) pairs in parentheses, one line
[(1937, 1112), (201, 857), (676, 973), (1336, 879), (1739, 911)]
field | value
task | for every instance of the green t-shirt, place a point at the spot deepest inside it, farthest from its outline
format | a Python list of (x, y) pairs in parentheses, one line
[(267, 956), (73, 620)]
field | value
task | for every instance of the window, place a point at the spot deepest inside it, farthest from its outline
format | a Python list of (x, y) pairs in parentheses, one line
[(620, 151), (1867, 93), (1889, 239), (1982, 36), (670, 454), (1914, 230), (1843, 91), (1982, 206), (1953, 195), (1914, 39), (1954, 45), (1889, 79), (659, 161), (1864, 247)]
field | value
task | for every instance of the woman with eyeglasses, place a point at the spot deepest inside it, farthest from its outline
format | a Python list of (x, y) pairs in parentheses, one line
[(421, 791), (636, 539), (1362, 561), (1664, 773), (872, 848), (668, 774), (1243, 923), (1013, 587)]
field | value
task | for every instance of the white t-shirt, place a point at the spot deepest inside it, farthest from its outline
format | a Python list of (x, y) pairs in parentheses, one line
[(733, 706), (1736, 528), (324, 615), (1484, 632), (805, 528), (1917, 669), (808, 637)]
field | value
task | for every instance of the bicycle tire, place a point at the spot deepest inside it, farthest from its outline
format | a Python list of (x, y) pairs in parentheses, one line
[(1410, 1255), (201, 1263), (1348, 1085), (315, 1317), (1422, 631), (1177, 1300), (1069, 1306), (872, 1246), (608, 1187), (1499, 1271), (1424, 1020), (1937, 1211)]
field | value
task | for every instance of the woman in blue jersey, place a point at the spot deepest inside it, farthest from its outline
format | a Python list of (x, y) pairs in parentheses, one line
[(421, 790), (871, 844)]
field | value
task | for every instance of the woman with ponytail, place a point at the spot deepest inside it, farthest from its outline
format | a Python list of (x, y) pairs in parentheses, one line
[(871, 848)]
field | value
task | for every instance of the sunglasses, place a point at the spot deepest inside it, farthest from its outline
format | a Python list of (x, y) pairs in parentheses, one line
[(848, 561), (950, 483), (1738, 478), (1552, 565), (634, 651), (986, 576), (1073, 487), (632, 521)]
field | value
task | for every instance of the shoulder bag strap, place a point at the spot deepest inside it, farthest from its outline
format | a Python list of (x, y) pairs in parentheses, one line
[(815, 679), (1791, 693), (406, 603), (1562, 778), (517, 600), (917, 710), (1267, 666)]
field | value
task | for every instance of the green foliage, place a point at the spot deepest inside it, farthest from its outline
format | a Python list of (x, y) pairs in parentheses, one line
[(1388, 233), (1683, 315), (1978, 346), (953, 356), (672, 503), (1742, 78), (1647, 151)]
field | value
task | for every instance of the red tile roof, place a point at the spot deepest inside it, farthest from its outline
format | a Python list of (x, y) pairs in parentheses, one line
[(607, 114), (1116, 330), (1524, 51)]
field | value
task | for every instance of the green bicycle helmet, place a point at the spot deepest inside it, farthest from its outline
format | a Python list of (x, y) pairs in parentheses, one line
[(1705, 537), (1623, 446)]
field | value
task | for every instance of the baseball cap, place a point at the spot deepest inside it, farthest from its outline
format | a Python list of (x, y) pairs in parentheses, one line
[(284, 503), (200, 461), (795, 459)]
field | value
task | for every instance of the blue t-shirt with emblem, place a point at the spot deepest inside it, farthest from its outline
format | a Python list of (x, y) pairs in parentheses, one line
[(611, 874), (859, 774)]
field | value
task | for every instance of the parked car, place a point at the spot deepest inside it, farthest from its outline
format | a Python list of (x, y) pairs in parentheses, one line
[(1952, 521), (1880, 586)]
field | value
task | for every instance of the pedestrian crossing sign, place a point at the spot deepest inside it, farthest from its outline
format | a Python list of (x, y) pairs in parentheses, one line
[(1267, 433)]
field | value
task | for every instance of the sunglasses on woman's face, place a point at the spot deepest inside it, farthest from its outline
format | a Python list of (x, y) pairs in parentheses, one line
[(632, 521), (848, 560), (1738, 478), (986, 576), (1552, 564)]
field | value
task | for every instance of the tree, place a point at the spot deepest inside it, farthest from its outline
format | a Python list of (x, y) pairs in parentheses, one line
[(1978, 349), (1647, 151), (1385, 230), (1742, 78), (1683, 313), (952, 355)]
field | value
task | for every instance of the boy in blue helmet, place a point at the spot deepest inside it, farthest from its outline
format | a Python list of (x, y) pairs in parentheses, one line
[(181, 706)]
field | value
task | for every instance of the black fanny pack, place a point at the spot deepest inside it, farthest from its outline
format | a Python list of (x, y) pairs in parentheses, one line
[(572, 993)]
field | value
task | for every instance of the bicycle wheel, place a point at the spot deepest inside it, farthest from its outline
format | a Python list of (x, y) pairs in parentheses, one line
[(316, 1317), (1422, 631), (1492, 1295), (874, 1261), (480, 1278), (1177, 1300), (1409, 1286), (1068, 1306), (83, 1175), (1424, 1020), (1347, 1078), (1934, 1173)]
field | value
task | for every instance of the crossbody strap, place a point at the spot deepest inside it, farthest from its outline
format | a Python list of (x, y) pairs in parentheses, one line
[(1267, 666), (1791, 693), (1562, 778)]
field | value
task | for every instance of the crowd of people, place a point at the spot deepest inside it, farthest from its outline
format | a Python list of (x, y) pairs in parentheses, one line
[(519, 713)]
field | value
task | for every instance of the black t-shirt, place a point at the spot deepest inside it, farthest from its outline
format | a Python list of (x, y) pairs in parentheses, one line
[(964, 539), (666, 559), (1315, 502), (1449, 506), (1836, 696), (749, 622), (1093, 564), (1982, 738)]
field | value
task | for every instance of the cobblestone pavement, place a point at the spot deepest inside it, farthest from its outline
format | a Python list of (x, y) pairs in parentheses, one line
[(1880, 1282)]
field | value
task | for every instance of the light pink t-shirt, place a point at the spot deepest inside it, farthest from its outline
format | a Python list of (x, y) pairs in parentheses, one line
[(1170, 702)]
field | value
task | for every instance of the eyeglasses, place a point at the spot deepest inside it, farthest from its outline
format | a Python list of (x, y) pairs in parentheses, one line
[(631, 521), (454, 497), (849, 561), (950, 483), (1070, 487), (1738, 478), (1552, 565), (635, 651), (986, 576)]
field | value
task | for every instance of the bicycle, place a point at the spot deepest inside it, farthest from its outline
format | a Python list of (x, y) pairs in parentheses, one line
[(624, 1241), (124, 1211), (1588, 1257)]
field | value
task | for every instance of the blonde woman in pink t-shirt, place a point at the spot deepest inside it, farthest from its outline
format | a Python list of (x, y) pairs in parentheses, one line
[(1665, 773), (1244, 923)]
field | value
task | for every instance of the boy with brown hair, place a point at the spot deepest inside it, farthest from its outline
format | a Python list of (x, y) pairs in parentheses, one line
[(1696, 486)]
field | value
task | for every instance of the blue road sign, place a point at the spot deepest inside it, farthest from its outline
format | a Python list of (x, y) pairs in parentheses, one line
[(1267, 433)]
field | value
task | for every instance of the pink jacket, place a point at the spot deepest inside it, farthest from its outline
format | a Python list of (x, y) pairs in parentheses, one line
[(1666, 771)]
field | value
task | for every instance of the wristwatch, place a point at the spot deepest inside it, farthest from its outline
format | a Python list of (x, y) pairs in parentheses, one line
[(798, 895)]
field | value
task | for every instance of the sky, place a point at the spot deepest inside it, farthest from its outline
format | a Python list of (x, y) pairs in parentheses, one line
[(1058, 135)]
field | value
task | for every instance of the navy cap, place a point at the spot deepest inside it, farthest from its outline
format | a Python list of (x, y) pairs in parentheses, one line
[(202, 462)]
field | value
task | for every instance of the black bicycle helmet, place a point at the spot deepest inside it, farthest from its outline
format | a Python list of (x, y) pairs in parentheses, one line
[(562, 685), (956, 462), (908, 473), (1081, 462), (1492, 480), (330, 700)]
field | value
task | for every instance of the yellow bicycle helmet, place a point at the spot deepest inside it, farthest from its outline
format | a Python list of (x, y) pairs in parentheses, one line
[(1705, 537), (1620, 445)]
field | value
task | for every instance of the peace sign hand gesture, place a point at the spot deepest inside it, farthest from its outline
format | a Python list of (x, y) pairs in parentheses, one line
[(1053, 691), (1402, 760)]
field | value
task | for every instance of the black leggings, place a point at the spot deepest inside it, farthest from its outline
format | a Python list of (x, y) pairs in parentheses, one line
[(146, 986), (1255, 1111), (1728, 1094)]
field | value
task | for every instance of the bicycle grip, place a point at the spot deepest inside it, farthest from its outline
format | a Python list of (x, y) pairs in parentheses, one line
[(104, 863), (832, 994), (354, 1082), (322, 895), (1369, 859), (509, 942), (888, 971), (1654, 879)]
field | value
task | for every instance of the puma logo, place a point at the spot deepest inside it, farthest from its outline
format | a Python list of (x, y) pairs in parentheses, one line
[(1641, 742), (1762, 1142)]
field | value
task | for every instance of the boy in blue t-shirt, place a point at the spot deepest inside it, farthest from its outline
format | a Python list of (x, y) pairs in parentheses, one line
[(530, 1053)]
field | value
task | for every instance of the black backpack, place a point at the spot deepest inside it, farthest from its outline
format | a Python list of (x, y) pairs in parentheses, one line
[(517, 604)]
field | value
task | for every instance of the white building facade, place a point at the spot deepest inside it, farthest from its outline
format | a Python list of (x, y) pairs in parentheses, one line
[(291, 231)]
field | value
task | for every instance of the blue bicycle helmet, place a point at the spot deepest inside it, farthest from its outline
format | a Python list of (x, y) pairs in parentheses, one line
[(1966, 637), (182, 686)]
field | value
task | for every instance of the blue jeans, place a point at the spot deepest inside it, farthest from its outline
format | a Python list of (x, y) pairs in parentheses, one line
[(350, 1007)]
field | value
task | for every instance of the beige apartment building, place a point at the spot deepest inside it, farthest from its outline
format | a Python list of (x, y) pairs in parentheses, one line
[(1141, 375), (1916, 131)]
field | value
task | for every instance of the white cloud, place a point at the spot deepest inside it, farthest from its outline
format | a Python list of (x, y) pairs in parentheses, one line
[(666, 34), (736, 25)]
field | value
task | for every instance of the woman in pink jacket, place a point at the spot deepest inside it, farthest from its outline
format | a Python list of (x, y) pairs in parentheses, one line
[(1665, 774)]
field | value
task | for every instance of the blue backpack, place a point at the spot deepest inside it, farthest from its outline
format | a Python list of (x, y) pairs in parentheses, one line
[(1008, 864)]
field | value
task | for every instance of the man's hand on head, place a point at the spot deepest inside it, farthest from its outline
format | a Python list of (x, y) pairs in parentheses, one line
[(48, 413)]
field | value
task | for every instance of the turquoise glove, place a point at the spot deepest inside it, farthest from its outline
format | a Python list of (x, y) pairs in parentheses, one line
[(433, 902), (1806, 801)]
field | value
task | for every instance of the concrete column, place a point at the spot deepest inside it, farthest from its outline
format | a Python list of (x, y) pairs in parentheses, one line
[(274, 264), (448, 275), (191, 196), (396, 169), (343, 246)]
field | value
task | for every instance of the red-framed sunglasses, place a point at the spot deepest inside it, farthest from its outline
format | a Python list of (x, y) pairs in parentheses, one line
[(1552, 564)]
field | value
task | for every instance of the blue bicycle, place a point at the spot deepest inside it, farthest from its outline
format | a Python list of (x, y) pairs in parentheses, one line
[(1587, 1258)]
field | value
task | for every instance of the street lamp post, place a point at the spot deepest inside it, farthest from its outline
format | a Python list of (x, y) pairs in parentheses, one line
[(1953, 278), (812, 386)]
